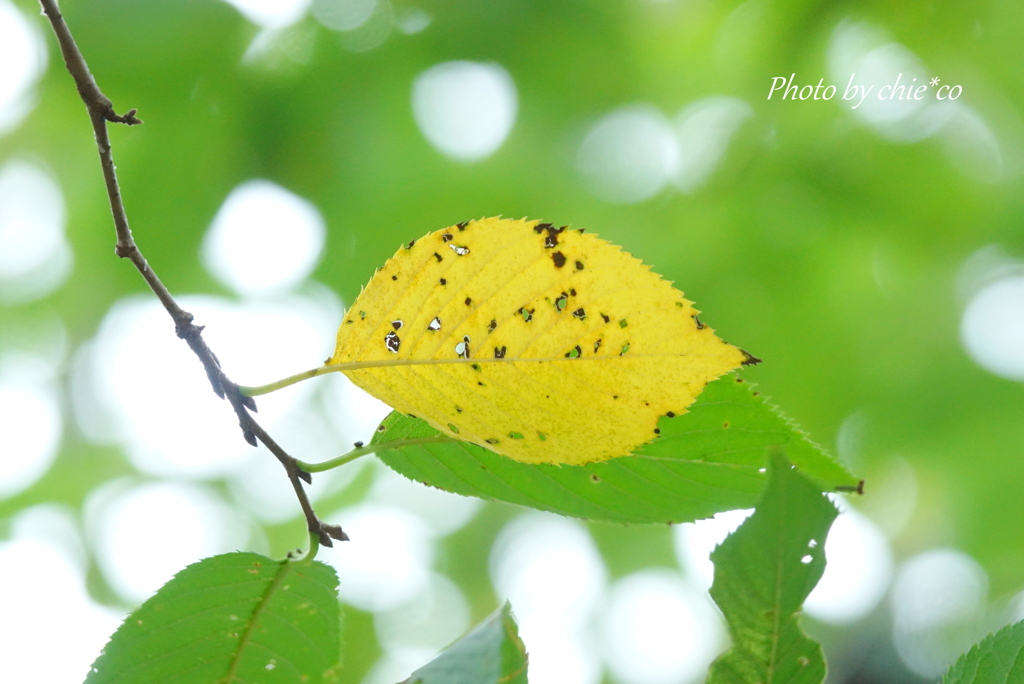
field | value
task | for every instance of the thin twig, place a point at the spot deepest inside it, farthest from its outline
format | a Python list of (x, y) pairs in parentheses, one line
[(101, 110)]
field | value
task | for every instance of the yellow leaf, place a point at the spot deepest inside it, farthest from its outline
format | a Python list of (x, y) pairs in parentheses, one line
[(544, 344)]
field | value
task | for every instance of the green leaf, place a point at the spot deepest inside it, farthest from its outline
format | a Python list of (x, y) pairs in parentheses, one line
[(492, 653), (708, 460), (239, 617), (996, 659), (763, 573)]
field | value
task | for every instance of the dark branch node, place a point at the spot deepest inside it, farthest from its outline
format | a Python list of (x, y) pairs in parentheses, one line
[(334, 531), (128, 118)]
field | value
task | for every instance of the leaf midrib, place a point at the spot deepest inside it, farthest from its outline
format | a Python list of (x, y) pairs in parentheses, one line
[(777, 613), (382, 363), (236, 659)]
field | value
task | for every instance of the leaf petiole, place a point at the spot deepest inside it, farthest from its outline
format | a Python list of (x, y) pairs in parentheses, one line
[(369, 449), (314, 546), (284, 382)]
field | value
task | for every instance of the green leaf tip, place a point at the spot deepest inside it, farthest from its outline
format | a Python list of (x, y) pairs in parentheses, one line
[(490, 653), (763, 573), (233, 618), (996, 659), (708, 460)]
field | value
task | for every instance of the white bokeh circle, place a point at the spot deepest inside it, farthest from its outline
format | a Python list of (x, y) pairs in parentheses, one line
[(992, 327), (629, 155), (35, 256), (386, 561), (30, 422), (271, 14), (23, 55), (264, 239), (857, 571), (144, 534), (659, 629), (465, 109)]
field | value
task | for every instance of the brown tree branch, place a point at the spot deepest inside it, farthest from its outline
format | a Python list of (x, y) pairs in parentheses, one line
[(101, 110)]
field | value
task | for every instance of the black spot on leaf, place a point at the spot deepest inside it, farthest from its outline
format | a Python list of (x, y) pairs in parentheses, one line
[(574, 353), (580, 314), (561, 301), (447, 237), (749, 359), (527, 314), (462, 226), (623, 323), (397, 325), (468, 301), (670, 414), (607, 319), (492, 325), (499, 352), (394, 277), (392, 341), (438, 257), (696, 319), (442, 281), (579, 265), (559, 259), (597, 345)]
